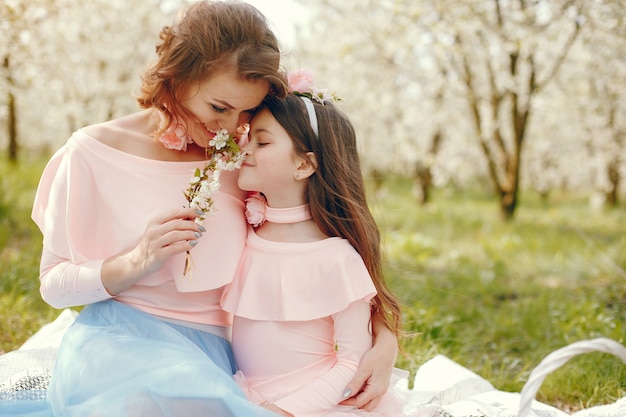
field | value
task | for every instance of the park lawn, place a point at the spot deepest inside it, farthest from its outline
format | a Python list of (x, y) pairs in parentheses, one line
[(499, 296), (494, 296)]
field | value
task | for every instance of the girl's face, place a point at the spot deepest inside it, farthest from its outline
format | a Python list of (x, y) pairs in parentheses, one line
[(271, 163), (223, 101)]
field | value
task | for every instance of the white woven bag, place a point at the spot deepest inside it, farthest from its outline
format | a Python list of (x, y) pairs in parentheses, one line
[(557, 358)]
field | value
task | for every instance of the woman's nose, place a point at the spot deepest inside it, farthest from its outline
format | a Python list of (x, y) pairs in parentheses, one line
[(233, 122), (244, 118)]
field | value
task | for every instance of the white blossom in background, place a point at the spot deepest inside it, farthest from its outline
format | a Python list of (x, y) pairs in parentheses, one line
[(77, 63), (397, 64)]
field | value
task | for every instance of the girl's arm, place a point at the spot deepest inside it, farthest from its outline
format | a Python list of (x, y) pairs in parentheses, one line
[(353, 339), (371, 381)]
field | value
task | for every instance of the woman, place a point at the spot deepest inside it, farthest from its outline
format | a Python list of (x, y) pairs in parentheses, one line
[(154, 341)]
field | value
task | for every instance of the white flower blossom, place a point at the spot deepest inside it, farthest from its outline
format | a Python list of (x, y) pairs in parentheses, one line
[(223, 155), (220, 140)]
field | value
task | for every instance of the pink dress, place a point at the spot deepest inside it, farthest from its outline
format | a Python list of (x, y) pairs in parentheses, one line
[(301, 323), (94, 201), (154, 349)]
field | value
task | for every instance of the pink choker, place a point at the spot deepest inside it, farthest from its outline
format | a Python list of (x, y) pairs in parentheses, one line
[(287, 215), (258, 212)]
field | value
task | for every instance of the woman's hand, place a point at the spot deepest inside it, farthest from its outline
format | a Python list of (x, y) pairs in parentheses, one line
[(371, 381), (166, 235)]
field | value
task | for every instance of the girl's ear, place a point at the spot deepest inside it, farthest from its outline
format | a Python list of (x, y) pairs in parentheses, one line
[(306, 167)]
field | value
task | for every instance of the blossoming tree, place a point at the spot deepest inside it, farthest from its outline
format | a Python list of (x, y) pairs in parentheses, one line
[(453, 86)]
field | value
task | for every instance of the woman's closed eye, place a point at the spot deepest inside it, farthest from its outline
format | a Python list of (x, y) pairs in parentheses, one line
[(218, 109)]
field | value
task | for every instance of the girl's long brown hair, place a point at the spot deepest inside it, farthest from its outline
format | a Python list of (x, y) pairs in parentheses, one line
[(207, 37), (336, 191)]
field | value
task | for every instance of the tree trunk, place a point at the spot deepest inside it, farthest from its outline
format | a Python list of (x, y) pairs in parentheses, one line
[(423, 171), (613, 174), (12, 128), (508, 204), (12, 113)]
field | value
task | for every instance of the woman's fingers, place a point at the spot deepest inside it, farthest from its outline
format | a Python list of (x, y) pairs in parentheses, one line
[(167, 235)]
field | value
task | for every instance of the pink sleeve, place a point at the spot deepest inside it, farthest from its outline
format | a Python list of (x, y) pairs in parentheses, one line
[(65, 202), (64, 284), (353, 339)]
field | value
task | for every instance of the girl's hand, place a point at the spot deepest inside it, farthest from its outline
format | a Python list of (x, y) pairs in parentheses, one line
[(165, 236), (371, 381)]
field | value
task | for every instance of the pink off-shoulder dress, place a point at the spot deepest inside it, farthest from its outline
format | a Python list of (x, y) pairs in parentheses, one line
[(155, 349), (301, 324)]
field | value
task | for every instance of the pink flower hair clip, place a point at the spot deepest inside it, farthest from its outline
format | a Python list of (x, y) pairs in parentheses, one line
[(301, 84)]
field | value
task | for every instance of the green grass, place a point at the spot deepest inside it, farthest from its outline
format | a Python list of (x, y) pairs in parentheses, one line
[(22, 312), (495, 297)]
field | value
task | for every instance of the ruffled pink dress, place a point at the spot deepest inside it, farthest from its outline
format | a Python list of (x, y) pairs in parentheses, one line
[(301, 324)]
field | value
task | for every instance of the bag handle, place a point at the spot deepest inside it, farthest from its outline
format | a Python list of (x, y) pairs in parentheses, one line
[(557, 358)]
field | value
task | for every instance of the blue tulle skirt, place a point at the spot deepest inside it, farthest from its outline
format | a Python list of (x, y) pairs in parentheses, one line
[(117, 361)]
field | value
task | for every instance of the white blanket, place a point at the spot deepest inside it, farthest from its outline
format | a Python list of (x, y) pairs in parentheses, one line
[(441, 386)]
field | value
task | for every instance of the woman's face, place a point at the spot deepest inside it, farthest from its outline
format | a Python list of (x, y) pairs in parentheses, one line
[(223, 101), (271, 162)]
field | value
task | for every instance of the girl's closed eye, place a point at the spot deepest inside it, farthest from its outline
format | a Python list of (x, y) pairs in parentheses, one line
[(259, 139)]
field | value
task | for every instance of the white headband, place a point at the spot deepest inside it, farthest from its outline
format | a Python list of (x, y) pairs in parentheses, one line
[(312, 117)]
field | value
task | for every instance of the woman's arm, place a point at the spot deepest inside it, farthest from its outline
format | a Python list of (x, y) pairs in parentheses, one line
[(165, 236), (65, 284), (68, 284), (371, 381)]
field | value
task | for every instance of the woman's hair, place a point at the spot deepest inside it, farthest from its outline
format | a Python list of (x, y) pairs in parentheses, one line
[(207, 37), (336, 191)]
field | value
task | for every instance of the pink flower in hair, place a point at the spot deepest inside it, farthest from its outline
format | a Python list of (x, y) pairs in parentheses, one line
[(300, 80), (301, 84)]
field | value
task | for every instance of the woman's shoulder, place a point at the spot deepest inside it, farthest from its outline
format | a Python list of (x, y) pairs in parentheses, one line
[(126, 133), (134, 134)]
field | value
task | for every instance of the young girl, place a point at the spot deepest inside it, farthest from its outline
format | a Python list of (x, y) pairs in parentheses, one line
[(310, 277)]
